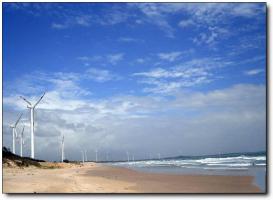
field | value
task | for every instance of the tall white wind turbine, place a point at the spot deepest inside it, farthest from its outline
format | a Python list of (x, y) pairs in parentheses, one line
[(62, 149), (82, 156), (96, 155), (85, 155), (128, 158), (14, 133), (32, 107), (22, 141)]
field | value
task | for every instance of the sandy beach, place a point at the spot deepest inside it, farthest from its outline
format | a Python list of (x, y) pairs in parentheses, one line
[(99, 178)]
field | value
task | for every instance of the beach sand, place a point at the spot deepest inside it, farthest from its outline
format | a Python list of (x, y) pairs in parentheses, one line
[(99, 178)]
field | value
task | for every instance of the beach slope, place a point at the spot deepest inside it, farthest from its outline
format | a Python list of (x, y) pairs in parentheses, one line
[(98, 178)]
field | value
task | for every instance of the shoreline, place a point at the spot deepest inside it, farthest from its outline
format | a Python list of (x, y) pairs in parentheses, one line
[(258, 173), (99, 178)]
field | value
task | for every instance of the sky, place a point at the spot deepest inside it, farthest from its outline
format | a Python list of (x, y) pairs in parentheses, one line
[(144, 78)]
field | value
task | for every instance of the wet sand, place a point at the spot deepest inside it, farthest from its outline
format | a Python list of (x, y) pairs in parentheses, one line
[(98, 178)]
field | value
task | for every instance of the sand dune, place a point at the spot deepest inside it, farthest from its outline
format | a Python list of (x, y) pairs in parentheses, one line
[(98, 178)]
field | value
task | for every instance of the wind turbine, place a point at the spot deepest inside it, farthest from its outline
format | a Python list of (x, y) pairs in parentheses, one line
[(22, 141), (82, 156), (128, 159), (96, 155), (32, 107), (14, 133), (85, 155), (62, 149), (107, 156)]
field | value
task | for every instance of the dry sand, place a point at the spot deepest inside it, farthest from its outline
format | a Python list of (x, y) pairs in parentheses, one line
[(98, 178)]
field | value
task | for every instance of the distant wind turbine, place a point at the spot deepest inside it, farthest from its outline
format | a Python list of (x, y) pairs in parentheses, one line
[(96, 155), (32, 107), (14, 133), (22, 141), (62, 149), (85, 155), (82, 156), (128, 158)]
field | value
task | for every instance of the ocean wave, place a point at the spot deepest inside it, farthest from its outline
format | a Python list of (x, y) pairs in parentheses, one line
[(238, 162)]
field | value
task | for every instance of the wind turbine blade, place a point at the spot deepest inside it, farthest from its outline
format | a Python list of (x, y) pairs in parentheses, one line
[(25, 100), (18, 120), (39, 100), (22, 133)]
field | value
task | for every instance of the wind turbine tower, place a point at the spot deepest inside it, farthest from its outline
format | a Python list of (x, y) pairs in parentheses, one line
[(82, 156), (14, 133), (22, 141), (96, 155), (62, 149), (85, 155), (32, 108), (128, 158)]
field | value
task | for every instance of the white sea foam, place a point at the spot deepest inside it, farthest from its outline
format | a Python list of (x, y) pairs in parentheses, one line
[(219, 163)]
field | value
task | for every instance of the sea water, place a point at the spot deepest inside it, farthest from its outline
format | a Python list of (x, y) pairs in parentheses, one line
[(238, 164)]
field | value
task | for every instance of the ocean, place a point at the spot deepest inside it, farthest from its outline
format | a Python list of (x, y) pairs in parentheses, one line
[(238, 164)]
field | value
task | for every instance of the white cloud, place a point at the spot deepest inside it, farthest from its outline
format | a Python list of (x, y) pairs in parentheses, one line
[(83, 20), (253, 72), (114, 58), (58, 26), (71, 21), (211, 37), (247, 10), (186, 23), (99, 59), (199, 14), (248, 43), (172, 56), (129, 39), (216, 118), (188, 74), (140, 60), (100, 75), (154, 14)]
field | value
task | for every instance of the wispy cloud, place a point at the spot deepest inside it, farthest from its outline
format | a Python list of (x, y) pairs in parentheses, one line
[(83, 20), (114, 58), (129, 39), (186, 23), (211, 37), (171, 56), (100, 75), (188, 74), (58, 26), (248, 43), (253, 72), (140, 60), (107, 58)]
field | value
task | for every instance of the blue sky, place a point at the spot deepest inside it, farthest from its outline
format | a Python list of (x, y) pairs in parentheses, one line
[(113, 68)]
